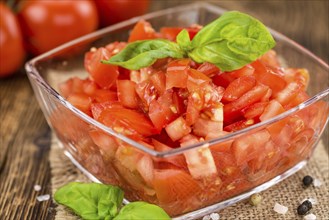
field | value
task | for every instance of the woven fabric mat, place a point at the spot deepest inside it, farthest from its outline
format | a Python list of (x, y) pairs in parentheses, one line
[(288, 192)]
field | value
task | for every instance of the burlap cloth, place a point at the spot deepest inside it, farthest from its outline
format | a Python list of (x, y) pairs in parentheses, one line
[(288, 192)]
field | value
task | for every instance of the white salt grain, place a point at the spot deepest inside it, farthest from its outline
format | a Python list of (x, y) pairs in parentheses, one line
[(206, 217), (280, 208), (43, 197), (37, 188), (214, 216), (317, 183), (310, 217)]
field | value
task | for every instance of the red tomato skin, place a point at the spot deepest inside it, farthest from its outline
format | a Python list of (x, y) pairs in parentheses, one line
[(127, 94), (238, 87), (104, 75), (233, 109), (48, 24), (176, 75), (142, 31), (171, 33), (126, 121), (12, 52), (114, 11)]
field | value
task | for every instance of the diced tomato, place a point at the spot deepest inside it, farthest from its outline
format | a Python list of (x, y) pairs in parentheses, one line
[(158, 80), (115, 47), (176, 75), (200, 162), (268, 76), (249, 146), (145, 167), (98, 108), (80, 101), (244, 123), (171, 33), (194, 106), (196, 80), (179, 101), (301, 76), (178, 161), (227, 167), (302, 96), (271, 59), (247, 70), (175, 190), (177, 129), (238, 87), (208, 69), (127, 121), (104, 95), (254, 110), (204, 127), (142, 31), (139, 76), (221, 147), (105, 142), (103, 74), (90, 87), (162, 111), (223, 79), (288, 93), (233, 109), (273, 108), (146, 92), (127, 94)]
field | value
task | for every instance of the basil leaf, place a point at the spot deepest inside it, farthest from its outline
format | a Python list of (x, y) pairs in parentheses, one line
[(91, 200), (141, 210), (231, 41), (183, 40), (144, 53)]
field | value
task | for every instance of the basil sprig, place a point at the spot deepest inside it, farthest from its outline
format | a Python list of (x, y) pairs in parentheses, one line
[(230, 42), (103, 202), (141, 210)]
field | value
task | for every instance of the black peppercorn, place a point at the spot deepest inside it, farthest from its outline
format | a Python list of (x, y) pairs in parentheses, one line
[(304, 207), (307, 180), (308, 204)]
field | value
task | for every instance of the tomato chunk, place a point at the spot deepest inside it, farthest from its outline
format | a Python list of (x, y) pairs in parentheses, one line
[(142, 31), (177, 129), (127, 94), (103, 74)]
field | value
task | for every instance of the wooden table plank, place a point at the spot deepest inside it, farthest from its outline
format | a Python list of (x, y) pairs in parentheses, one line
[(24, 140), (24, 152)]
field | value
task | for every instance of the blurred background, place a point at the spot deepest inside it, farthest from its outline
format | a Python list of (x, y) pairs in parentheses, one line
[(32, 27)]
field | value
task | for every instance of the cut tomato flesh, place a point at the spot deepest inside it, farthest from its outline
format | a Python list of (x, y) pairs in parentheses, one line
[(127, 94), (199, 161), (103, 74), (177, 129), (142, 31)]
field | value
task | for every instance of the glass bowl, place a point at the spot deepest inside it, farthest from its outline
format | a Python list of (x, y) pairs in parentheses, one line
[(121, 161)]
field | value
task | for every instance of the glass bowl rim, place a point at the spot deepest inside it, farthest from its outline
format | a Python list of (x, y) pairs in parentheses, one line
[(32, 72)]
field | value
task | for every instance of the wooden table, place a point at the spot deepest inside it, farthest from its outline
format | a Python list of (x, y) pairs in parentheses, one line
[(25, 135)]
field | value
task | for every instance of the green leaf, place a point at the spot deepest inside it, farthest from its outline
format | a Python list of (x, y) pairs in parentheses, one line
[(144, 53), (183, 40), (141, 210), (91, 200), (232, 41)]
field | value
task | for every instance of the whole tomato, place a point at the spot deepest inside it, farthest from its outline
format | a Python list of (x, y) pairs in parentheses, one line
[(50, 23), (11, 45), (113, 11)]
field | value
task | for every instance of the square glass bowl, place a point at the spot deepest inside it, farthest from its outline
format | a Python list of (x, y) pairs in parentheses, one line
[(121, 161)]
